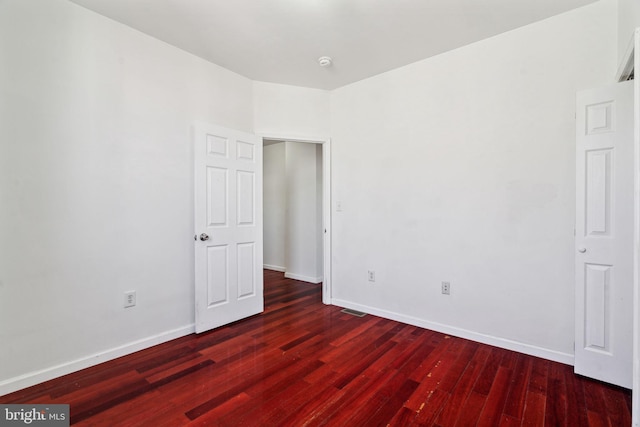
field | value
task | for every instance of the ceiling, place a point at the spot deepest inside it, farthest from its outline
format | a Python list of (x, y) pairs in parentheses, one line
[(280, 41)]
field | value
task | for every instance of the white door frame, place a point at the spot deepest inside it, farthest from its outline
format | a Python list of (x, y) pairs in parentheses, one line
[(326, 202), (630, 63), (635, 411)]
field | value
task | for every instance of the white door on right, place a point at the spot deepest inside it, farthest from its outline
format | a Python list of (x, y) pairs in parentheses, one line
[(604, 234)]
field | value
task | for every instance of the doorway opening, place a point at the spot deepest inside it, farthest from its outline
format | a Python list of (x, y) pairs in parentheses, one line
[(296, 209)]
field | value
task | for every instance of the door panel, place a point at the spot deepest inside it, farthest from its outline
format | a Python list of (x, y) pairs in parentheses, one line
[(604, 233), (246, 198), (217, 277), (246, 276), (598, 177), (217, 189), (597, 307), (228, 225)]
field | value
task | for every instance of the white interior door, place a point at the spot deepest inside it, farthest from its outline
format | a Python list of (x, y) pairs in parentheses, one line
[(604, 233), (228, 226)]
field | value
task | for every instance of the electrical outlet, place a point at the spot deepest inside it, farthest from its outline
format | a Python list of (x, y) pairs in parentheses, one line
[(129, 299), (372, 275), (446, 288)]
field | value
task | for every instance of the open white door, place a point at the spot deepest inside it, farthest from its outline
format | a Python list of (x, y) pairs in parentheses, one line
[(228, 226), (604, 233)]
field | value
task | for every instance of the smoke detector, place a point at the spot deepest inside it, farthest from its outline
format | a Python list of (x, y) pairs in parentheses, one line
[(325, 61)]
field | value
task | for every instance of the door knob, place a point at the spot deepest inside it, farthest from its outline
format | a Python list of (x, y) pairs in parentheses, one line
[(204, 237), (582, 250)]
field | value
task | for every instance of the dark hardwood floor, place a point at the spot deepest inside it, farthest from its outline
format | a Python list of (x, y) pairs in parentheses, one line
[(302, 363)]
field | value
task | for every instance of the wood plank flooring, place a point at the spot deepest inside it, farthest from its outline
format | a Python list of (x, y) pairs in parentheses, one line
[(302, 363)]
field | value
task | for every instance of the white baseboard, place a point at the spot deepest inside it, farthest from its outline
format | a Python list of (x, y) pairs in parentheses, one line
[(303, 278), (274, 268), (294, 276), (37, 377), (520, 347)]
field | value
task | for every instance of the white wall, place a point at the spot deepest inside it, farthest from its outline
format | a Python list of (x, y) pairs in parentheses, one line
[(96, 185), (461, 168), (301, 237), (291, 111), (628, 21), (275, 205)]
